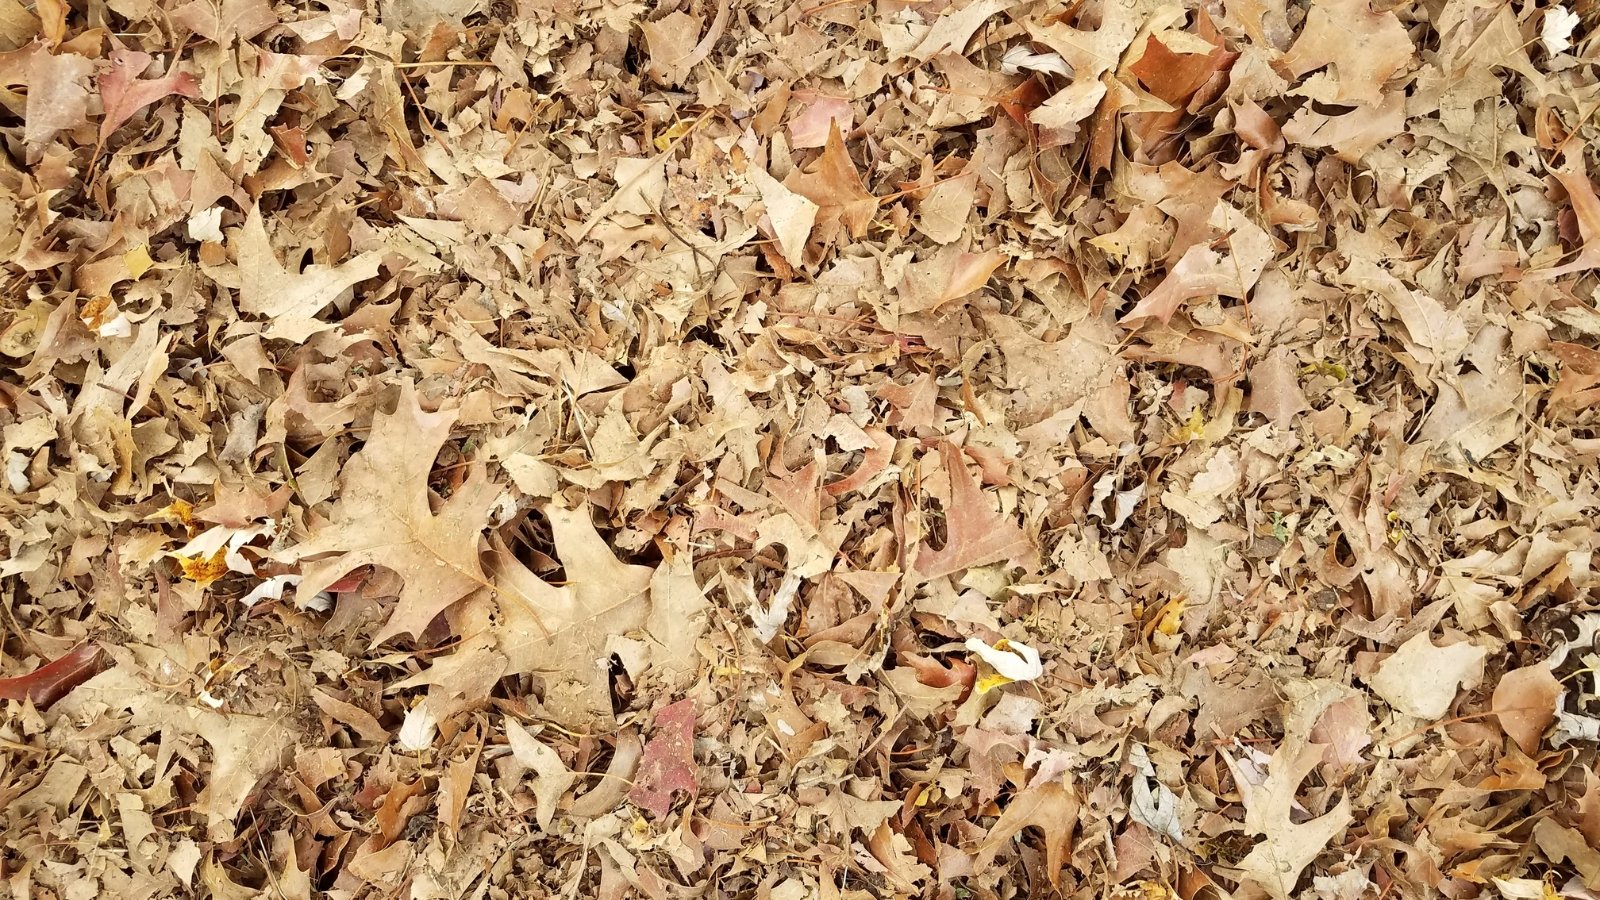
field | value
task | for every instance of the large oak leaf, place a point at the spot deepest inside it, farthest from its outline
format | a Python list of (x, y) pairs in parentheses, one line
[(385, 517)]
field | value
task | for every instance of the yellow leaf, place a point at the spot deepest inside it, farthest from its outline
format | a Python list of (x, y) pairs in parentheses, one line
[(204, 571), (138, 261), (1171, 617)]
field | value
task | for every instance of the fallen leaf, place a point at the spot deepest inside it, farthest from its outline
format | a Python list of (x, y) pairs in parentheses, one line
[(1051, 807), (123, 93), (791, 215), (384, 517), (668, 763), (1287, 847), (51, 681), (290, 301), (1364, 47), (1421, 680), (975, 534), (1525, 702)]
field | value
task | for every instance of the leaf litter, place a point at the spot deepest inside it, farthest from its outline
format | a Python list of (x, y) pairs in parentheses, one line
[(834, 449)]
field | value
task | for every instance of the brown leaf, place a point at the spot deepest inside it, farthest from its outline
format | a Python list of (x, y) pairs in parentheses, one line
[(57, 98), (1275, 388), (384, 517), (976, 535), (48, 683), (223, 20), (1287, 847), (1052, 808), (290, 301), (1364, 47), (668, 764), (833, 183), (558, 631), (1525, 702)]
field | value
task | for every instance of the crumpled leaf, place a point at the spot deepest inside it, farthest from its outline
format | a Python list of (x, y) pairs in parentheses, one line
[(791, 214)]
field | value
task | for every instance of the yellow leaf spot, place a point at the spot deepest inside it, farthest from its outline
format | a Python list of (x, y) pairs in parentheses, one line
[(1194, 429), (204, 571), (180, 511), (138, 261), (1172, 617), (989, 682)]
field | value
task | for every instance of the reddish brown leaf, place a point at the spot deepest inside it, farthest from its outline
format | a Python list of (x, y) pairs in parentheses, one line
[(51, 681), (123, 93), (668, 764)]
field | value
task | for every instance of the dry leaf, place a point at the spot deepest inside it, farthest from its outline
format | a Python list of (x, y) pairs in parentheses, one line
[(1421, 680), (668, 765), (1525, 702), (1287, 847), (975, 534), (384, 517)]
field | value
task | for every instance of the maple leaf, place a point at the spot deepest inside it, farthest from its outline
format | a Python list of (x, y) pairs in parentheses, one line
[(1286, 847), (833, 183), (975, 534), (291, 301), (123, 93), (668, 763), (560, 632), (384, 518)]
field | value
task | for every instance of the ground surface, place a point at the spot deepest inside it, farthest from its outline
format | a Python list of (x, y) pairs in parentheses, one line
[(983, 449)]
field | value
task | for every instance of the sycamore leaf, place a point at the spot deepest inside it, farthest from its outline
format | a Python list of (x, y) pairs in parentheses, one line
[(384, 517), (975, 535), (1286, 847), (291, 301), (560, 632), (668, 765), (123, 93)]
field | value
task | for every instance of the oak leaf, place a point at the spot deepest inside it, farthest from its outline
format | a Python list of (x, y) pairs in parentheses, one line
[(1052, 808), (560, 632), (976, 535), (124, 93), (290, 301), (385, 517), (1287, 847), (1420, 679)]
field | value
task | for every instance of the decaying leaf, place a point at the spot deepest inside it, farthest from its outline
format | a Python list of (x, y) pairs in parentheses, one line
[(668, 766)]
